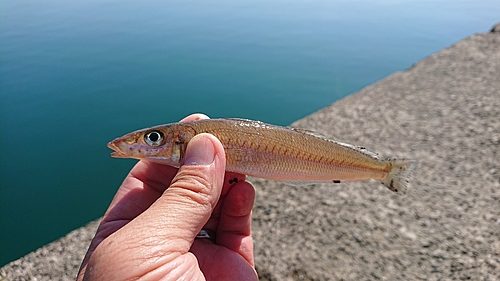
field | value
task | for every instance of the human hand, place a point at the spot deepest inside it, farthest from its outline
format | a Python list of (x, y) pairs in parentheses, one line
[(149, 229)]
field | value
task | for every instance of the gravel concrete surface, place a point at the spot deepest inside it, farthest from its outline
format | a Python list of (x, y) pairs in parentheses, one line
[(445, 112)]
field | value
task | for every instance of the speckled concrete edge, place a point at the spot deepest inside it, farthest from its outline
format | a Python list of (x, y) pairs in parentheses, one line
[(60, 260)]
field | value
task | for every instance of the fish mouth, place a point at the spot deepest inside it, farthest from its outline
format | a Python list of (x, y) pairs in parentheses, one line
[(117, 153)]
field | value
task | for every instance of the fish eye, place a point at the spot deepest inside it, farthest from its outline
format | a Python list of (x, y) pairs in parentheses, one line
[(153, 138)]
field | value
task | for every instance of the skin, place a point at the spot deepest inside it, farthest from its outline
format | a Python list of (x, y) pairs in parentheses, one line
[(149, 229)]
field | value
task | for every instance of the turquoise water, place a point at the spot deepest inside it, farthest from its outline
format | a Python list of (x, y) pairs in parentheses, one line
[(76, 74)]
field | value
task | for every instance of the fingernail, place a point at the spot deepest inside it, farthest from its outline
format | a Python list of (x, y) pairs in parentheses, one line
[(200, 151)]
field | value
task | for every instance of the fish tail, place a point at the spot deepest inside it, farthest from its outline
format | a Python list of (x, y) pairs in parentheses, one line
[(399, 173)]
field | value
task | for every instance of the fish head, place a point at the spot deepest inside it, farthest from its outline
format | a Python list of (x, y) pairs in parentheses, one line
[(163, 144)]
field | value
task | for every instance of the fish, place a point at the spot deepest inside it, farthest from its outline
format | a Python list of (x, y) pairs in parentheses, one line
[(291, 155)]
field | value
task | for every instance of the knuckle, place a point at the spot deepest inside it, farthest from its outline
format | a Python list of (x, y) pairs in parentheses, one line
[(195, 185)]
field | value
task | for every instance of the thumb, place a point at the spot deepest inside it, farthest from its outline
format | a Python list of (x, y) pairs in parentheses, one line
[(194, 192)]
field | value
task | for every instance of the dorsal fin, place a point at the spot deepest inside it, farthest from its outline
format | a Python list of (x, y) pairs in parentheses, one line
[(308, 132), (321, 136)]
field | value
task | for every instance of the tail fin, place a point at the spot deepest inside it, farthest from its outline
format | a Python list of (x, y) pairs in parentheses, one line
[(397, 178)]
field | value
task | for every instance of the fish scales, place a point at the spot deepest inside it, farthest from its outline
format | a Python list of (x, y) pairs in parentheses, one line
[(289, 155), (267, 151)]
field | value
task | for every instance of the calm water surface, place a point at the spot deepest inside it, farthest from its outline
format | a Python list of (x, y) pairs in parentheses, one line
[(76, 74)]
